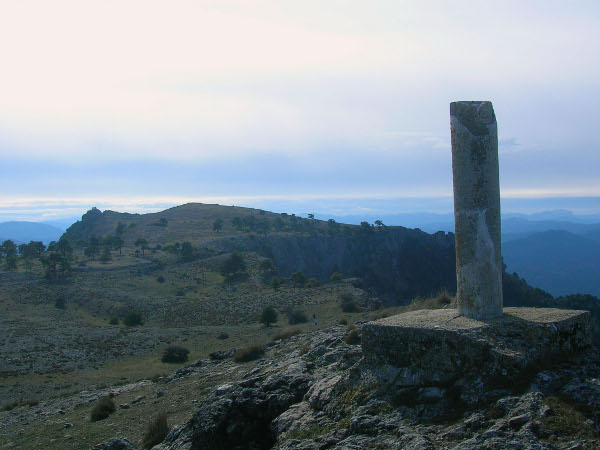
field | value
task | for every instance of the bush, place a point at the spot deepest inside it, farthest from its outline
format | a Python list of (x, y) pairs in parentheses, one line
[(160, 279), (353, 338), (348, 304), (286, 333), (298, 279), (268, 316), (180, 292), (156, 431), (133, 319), (343, 321), (104, 408), (276, 282), (60, 303), (304, 350), (114, 320), (296, 316), (249, 353), (223, 336), (335, 277), (175, 354), (312, 282)]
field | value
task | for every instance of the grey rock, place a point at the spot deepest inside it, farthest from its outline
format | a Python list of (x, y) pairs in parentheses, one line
[(115, 444)]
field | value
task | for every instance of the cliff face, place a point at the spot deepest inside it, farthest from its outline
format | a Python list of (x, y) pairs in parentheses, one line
[(397, 263)]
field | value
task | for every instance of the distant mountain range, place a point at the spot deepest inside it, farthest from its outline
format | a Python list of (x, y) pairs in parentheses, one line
[(557, 261), (23, 232)]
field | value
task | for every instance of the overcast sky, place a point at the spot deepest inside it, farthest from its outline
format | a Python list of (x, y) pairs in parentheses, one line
[(137, 105)]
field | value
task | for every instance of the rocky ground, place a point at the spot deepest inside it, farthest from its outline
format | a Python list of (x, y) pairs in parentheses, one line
[(315, 391)]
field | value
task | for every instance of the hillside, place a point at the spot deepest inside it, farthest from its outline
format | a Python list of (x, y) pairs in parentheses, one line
[(23, 232), (559, 262), (69, 345), (398, 263)]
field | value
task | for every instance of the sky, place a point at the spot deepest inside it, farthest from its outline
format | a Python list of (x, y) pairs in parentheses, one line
[(338, 106)]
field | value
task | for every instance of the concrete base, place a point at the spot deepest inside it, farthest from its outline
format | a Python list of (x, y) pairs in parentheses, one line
[(439, 346)]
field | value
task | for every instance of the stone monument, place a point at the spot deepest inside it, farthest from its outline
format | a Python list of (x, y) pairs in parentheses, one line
[(479, 339), (476, 209)]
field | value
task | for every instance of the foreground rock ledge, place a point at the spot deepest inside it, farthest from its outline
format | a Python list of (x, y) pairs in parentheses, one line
[(439, 346)]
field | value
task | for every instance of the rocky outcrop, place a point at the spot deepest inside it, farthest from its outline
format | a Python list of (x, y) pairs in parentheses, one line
[(315, 392)]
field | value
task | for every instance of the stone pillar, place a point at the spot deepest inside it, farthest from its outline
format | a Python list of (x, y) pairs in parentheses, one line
[(476, 209)]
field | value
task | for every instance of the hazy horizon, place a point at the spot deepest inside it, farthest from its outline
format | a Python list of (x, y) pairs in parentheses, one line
[(306, 106)]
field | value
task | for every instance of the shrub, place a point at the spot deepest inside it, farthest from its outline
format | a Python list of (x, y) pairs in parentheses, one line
[(223, 336), (158, 376), (249, 353), (233, 264), (353, 338), (175, 354), (268, 316), (10, 405), (114, 320), (133, 319), (276, 282), (180, 292), (59, 303), (335, 277), (104, 408), (156, 431), (312, 282), (343, 321), (298, 279), (160, 279), (286, 333), (350, 327), (348, 304), (296, 316)]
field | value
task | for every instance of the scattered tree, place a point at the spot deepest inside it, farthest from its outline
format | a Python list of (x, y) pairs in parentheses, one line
[(9, 250), (379, 224), (233, 265), (298, 279), (268, 316), (218, 225), (143, 244), (120, 229), (276, 282), (187, 252), (267, 268)]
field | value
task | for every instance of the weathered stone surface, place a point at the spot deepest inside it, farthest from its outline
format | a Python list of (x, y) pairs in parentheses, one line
[(476, 209), (115, 444), (434, 347)]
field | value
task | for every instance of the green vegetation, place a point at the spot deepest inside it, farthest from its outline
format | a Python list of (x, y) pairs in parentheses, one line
[(175, 354), (296, 316), (348, 303), (233, 265), (133, 319), (268, 316)]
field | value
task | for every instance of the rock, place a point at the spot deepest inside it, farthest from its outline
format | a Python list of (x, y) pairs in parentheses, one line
[(138, 399), (436, 347), (124, 406), (321, 392), (222, 354), (115, 444)]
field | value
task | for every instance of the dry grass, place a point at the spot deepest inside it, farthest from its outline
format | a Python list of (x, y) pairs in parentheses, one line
[(286, 333), (156, 431), (249, 353), (104, 408)]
